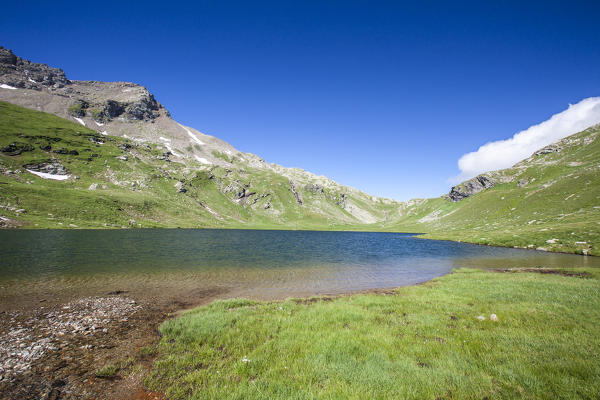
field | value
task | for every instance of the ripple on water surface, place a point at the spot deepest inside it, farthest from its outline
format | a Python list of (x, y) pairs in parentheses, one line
[(262, 264)]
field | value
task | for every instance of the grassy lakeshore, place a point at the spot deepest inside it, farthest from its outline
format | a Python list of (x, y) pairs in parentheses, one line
[(419, 342)]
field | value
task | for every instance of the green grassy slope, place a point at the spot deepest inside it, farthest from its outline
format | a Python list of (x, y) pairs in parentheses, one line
[(422, 342), (141, 190), (556, 207)]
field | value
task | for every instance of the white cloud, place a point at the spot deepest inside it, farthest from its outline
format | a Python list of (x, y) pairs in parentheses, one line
[(505, 153)]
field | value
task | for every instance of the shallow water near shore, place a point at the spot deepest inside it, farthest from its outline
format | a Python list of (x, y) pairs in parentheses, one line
[(41, 265)]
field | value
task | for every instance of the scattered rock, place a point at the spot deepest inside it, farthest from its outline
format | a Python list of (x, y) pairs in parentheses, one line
[(471, 187), (314, 188), (16, 148), (164, 156), (20, 347), (180, 186), (494, 317), (93, 186), (96, 140), (481, 318), (296, 195), (552, 148), (51, 167)]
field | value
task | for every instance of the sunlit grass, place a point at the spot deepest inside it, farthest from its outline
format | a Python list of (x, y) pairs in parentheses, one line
[(422, 342)]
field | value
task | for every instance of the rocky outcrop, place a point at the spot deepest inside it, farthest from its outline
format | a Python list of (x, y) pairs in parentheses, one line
[(314, 188), (471, 187), (341, 200), (51, 167), (180, 186), (552, 148), (20, 73), (296, 195), (78, 108), (16, 148), (145, 108)]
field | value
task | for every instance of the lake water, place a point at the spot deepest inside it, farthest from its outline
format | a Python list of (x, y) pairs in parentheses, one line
[(37, 265)]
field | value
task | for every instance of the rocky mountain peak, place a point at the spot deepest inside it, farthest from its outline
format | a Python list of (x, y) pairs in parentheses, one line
[(20, 73), (101, 101)]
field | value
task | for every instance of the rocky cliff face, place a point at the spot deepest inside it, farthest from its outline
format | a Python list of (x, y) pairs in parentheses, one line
[(19, 73), (472, 186)]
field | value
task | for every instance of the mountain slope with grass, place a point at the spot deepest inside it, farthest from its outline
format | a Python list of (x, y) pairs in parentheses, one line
[(57, 173), (549, 201)]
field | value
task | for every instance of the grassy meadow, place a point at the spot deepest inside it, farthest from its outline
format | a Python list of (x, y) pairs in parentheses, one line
[(420, 342)]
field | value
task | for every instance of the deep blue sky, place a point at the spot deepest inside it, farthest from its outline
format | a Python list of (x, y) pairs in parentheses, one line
[(381, 96)]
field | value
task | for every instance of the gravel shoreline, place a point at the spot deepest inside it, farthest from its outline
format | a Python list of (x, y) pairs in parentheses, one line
[(53, 351), (48, 330)]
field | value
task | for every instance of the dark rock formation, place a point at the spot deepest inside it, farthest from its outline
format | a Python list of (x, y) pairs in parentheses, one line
[(341, 200), (20, 73), (471, 187), (296, 195), (50, 167), (78, 109), (112, 109), (96, 140), (314, 188), (552, 148), (14, 149), (66, 151), (146, 108), (180, 187)]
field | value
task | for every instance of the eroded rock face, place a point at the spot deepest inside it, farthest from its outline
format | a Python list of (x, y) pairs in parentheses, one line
[(20, 73), (146, 108), (314, 188), (471, 187), (51, 167), (103, 101), (552, 148)]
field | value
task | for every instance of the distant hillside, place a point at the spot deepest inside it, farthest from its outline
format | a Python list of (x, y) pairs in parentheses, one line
[(549, 201)]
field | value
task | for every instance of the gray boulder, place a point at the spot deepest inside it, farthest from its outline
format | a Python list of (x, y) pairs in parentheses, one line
[(551, 148), (51, 167), (471, 187)]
